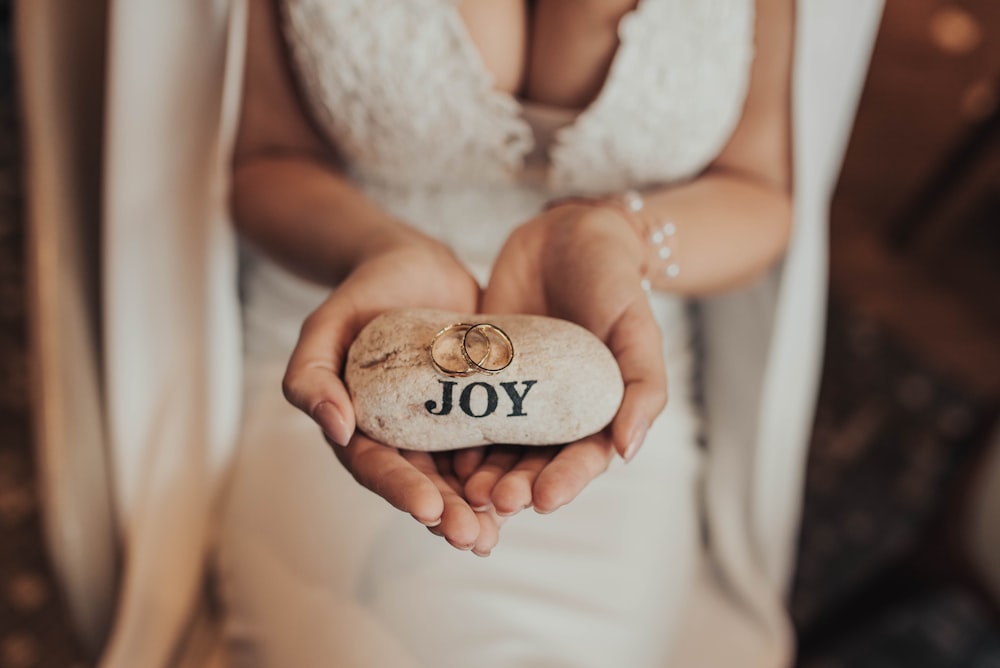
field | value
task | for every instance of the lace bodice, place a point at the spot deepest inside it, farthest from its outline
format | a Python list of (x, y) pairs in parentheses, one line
[(401, 90)]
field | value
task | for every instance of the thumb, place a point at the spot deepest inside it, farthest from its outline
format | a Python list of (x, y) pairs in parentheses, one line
[(312, 380), (635, 341)]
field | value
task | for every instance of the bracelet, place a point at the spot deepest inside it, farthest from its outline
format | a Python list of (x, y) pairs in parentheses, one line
[(660, 235)]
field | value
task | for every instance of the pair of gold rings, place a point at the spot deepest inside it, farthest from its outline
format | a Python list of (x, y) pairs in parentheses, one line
[(463, 349)]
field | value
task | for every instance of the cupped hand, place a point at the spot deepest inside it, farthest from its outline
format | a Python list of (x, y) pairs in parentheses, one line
[(426, 486), (408, 272), (580, 263)]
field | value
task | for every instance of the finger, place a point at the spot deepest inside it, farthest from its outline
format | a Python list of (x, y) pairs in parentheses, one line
[(312, 379), (635, 341), (513, 492), (466, 462), (443, 461), (498, 461), (576, 465), (459, 524), (489, 532), (444, 471), (396, 479)]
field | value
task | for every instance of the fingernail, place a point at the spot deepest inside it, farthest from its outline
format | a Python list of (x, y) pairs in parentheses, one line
[(483, 508), (638, 436), (333, 423), (429, 524), (481, 555), (513, 512)]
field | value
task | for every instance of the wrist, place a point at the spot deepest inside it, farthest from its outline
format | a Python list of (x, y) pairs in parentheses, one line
[(655, 237)]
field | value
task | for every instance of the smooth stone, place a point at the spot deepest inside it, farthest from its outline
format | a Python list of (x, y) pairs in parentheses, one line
[(563, 383)]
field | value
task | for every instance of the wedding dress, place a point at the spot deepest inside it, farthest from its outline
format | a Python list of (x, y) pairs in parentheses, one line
[(316, 570)]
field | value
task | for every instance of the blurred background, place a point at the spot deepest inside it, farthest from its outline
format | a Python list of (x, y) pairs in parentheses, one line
[(911, 387)]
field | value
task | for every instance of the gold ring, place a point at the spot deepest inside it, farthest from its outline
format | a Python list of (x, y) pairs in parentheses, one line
[(471, 367), (483, 329)]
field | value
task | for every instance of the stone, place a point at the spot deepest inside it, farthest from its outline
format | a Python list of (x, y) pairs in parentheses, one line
[(561, 385)]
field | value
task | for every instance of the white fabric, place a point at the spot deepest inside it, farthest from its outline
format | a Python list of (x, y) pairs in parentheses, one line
[(171, 324), (984, 540), (60, 63), (833, 41)]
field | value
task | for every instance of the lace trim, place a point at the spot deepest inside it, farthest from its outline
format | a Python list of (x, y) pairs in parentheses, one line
[(674, 95), (391, 86)]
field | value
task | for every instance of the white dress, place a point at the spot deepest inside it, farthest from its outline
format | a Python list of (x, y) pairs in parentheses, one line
[(314, 570)]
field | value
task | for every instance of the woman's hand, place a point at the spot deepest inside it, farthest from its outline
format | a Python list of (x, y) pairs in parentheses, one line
[(409, 270), (406, 271), (583, 264)]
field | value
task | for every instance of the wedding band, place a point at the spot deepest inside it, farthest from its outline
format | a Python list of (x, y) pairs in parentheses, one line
[(484, 329), (470, 367)]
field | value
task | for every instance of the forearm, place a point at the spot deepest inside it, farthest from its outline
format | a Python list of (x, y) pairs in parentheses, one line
[(308, 218), (728, 230)]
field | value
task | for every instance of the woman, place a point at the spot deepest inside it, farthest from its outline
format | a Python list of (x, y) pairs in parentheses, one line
[(398, 152), (165, 476)]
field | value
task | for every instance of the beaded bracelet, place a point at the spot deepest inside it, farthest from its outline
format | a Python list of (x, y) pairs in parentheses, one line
[(661, 235)]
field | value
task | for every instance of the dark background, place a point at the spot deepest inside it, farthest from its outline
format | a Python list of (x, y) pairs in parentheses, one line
[(911, 384)]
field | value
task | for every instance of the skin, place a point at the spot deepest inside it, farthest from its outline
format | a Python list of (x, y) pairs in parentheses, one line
[(572, 261)]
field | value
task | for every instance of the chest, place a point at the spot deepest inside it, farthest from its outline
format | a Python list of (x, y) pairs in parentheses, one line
[(554, 52), (414, 93)]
